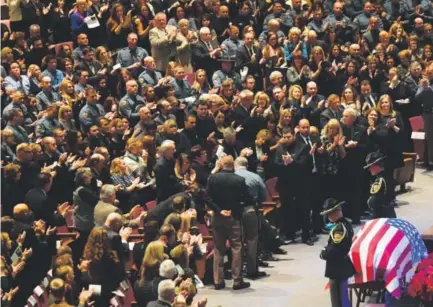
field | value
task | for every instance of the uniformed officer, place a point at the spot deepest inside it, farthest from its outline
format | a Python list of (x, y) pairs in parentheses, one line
[(47, 96), (379, 201), (48, 123), (149, 75), (226, 72), (129, 103), (92, 111), (339, 267), (182, 88), (130, 57), (16, 81)]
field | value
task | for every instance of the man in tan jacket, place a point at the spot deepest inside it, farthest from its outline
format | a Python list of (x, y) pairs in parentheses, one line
[(164, 39)]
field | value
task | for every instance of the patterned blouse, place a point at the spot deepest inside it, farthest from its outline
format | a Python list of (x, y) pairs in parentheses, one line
[(331, 160)]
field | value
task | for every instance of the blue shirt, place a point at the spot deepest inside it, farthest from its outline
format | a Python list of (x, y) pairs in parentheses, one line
[(23, 83), (56, 77), (255, 184)]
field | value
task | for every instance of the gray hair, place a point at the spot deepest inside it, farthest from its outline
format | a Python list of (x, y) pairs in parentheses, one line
[(81, 173), (107, 191), (275, 74), (414, 65), (203, 30), (241, 162), (167, 269), (311, 83), (351, 111), (245, 94), (166, 290), (183, 21), (167, 144)]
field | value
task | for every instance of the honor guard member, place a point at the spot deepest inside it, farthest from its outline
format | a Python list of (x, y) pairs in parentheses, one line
[(92, 111), (47, 95), (130, 102), (339, 267), (149, 75), (130, 57), (226, 72), (48, 123), (379, 201)]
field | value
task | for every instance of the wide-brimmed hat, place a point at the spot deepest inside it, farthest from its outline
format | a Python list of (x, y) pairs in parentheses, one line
[(330, 205), (375, 157), (226, 59)]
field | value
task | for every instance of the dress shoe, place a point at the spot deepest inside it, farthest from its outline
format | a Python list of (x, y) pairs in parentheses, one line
[(269, 257), (262, 263), (256, 275), (287, 241), (241, 285), (279, 251), (308, 242), (220, 286)]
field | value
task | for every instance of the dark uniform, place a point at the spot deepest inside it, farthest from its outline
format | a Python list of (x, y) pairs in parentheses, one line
[(339, 267), (379, 201)]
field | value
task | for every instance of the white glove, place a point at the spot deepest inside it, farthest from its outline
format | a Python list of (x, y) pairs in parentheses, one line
[(244, 73), (190, 100), (403, 101)]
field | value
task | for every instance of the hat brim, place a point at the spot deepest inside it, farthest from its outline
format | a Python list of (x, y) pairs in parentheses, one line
[(336, 207), (227, 60), (374, 162)]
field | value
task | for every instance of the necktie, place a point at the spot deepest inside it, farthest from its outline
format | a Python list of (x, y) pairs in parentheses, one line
[(209, 46), (308, 141)]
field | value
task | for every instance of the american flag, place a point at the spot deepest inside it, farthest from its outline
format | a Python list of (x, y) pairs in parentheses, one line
[(393, 246)]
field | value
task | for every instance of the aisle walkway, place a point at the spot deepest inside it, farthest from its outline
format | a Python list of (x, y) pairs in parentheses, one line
[(297, 279)]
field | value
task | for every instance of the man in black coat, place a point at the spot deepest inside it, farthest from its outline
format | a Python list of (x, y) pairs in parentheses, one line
[(167, 183), (308, 195), (333, 111), (205, 52), (118, 235), (352, 165), (242, 118), (250, 56), (314, 103), (228, 208), (339, 267), (175, 203)]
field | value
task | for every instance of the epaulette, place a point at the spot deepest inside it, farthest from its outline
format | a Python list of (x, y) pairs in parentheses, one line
[(338, 233)]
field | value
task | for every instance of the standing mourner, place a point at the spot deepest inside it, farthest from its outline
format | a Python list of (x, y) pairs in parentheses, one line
[(228, 208), (379, 201), (339, 267)]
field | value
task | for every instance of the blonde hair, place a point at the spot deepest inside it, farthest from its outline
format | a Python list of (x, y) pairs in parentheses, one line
[(292, 88), (380, 102), (153, 256), (282, 114), (332, 124), (64, 109), (115, 168), (294, 31), (259, 95)]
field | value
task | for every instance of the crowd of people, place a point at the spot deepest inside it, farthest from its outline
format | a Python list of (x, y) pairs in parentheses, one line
[(108, 107)]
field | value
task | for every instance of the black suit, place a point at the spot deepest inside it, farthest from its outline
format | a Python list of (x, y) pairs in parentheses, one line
[(201, 58), (313, 111), (167, 183), (308, 194), (243, 59), (164, 208), (329, 114), (42, 207), (353, 175), (158, 303), (242, 118), (121, 248)]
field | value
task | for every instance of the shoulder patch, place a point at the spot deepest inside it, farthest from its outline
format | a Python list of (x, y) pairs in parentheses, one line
[(123, 103), (376, 186), (84, 115), (338, 233)]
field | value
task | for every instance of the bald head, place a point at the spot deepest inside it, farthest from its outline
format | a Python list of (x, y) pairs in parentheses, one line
[(227, 162), (114, 221), (21, 212)]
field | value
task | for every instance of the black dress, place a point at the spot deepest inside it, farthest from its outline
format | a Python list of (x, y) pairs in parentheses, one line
[(60, 24)]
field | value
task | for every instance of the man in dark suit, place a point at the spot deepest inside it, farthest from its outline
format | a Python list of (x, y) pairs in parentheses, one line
[(352, 165), (333, 111), (118, 234), (250, 56), (40, 203), (166, 181), (312, 42), (89, 64), (188, 136), (166, 294), (308, 194), (367, 99), (175, 203), (228, 208), (314, 104), (241, 116), (205, 52)]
